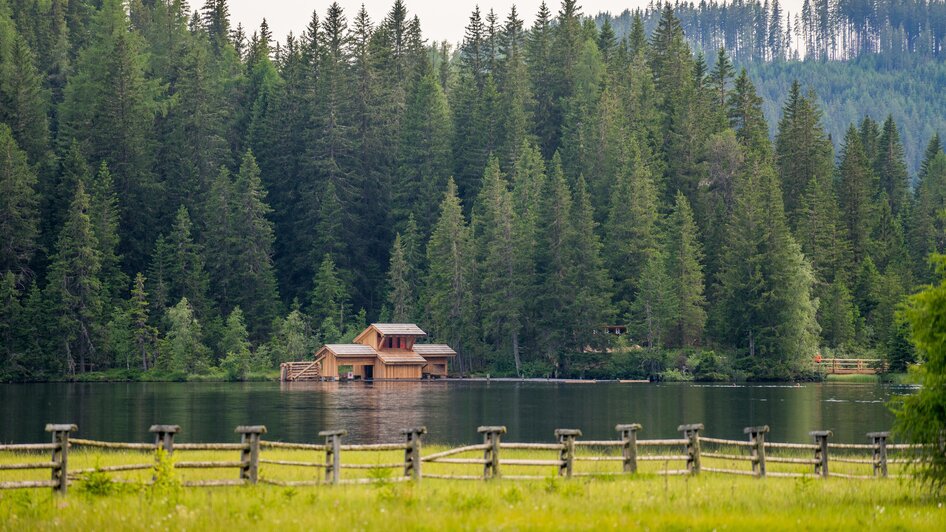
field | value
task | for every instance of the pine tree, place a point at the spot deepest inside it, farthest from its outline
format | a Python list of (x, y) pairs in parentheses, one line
[(653, 309), (57, 188), (684, 256), (590, 285), (745, 116), (448, 283), (329, 298), (720, 78), (144, 336), (630, 229), (10, 315), (256, 291), (837, 315), (23, 102), (183, 349), (401, 293), (74, 287), (424, 154), (854, 182), (765, 305), (180, 267), (803, 152), (19, 205), (821, 232), (891, 168), (104, 214), (554, 267), (109, 108), (500, 281)]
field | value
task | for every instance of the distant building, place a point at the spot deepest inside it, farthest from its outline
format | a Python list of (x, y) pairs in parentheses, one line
[(382, 351)]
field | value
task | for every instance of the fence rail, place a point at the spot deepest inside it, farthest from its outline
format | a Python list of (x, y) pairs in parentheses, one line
[(491, 460)]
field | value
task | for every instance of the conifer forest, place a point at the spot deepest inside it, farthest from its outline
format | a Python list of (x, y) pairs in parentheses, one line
[(742, 188)]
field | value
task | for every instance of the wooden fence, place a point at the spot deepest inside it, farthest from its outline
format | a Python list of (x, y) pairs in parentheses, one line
[(690, 451)]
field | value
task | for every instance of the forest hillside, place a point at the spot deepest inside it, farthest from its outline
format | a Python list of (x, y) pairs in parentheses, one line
[(190, 199)]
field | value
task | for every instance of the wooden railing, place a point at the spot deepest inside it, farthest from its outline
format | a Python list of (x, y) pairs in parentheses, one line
[(852, 366), (691, 451), (301, 371)]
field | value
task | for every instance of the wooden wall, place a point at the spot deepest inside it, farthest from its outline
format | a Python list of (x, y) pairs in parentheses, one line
[(384, 371)]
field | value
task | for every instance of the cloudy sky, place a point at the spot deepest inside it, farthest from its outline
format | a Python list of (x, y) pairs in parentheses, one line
[(440, 19)]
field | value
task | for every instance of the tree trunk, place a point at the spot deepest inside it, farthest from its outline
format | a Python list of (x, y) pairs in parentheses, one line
[(515, 353)]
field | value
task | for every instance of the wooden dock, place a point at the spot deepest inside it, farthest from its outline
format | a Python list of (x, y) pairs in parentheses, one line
[(852, 366)]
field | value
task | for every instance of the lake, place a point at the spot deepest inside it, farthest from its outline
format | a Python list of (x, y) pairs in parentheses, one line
[(375, 412)]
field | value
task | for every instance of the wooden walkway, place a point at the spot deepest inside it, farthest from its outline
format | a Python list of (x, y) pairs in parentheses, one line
[(852, 366)]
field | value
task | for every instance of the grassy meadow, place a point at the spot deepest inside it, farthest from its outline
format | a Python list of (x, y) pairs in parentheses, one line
[(647, 500)]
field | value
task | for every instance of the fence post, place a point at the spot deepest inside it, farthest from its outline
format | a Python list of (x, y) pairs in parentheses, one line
[(879, 440), (821, 453), (60, 471), (757, 439), (164, 436), (566, 456), (629, 445), (692, 435), (491, 438), (412, 452), (333, 459), (249, 455)]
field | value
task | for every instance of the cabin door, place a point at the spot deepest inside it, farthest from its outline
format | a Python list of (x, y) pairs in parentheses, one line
[(369, 373)]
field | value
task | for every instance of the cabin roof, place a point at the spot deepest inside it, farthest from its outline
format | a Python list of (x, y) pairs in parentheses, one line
[(434, 349), (404, 357), (350, 349), (398, 329)]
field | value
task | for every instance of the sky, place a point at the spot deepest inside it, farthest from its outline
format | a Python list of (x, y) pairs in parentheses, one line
[(440, 20)]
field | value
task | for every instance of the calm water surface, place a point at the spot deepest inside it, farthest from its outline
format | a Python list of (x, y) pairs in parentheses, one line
[(450, 410)]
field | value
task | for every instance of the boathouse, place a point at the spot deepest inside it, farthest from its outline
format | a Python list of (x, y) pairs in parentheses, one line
[(382, 351)]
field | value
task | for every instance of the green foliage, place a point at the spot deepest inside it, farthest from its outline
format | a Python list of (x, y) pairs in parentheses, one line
[(921, 417), (19, 225), (182, 348)]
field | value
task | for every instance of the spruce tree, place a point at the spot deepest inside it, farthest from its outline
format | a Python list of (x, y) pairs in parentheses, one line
[(109, 108), (424, 154), (447, 286), (328, 301), (23, 102), (104, 215), (19, 203), (630, 229), (500, 289), (654, 306), (401, 293), (554, 267), (590, 283), (854, 191), (803, 152), (684, 256), (74, 288), (255, 285), (891, 168), (765, 306), (144, 335), (183, 349)]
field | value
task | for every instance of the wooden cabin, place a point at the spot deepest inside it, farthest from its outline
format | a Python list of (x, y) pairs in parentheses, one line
[(383, 351)]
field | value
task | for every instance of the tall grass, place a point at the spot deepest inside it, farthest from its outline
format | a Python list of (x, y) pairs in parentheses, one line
[(646, 500)]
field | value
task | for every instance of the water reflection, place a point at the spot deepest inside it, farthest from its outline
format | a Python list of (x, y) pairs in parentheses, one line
[(451, 410)]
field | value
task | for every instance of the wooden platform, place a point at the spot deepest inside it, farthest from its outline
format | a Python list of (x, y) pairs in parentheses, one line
[(308, 370), (851, 366)]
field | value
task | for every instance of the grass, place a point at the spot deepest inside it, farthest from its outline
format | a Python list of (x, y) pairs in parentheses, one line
[(646, 500), (892, 378)]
